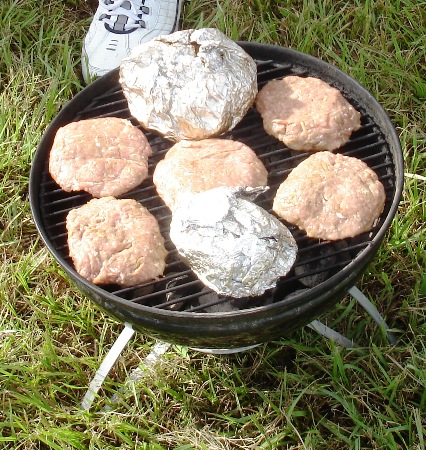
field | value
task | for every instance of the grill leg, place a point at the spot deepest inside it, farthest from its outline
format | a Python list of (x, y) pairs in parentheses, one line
[(139, 373), (111, 357), (371, 309), (109, 360), (329, 333)]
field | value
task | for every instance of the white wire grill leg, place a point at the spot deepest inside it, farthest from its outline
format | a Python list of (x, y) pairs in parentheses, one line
[(329, 333), (371, 309), (139, 373), (106, 365)]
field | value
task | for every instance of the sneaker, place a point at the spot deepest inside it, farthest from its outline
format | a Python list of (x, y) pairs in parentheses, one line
[(120, 25)]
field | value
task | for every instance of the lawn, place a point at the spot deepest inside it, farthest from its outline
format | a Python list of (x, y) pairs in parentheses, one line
[(299, 392)]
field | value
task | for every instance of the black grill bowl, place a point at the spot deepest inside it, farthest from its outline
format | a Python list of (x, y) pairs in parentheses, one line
[(177, 308)]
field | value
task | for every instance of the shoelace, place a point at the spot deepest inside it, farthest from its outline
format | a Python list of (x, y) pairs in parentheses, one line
[(127, 14)]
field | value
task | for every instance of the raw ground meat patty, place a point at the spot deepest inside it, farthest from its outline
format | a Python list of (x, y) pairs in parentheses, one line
[(196, 166), (331, 196), (103, 156), (307, 113), (115, 241)]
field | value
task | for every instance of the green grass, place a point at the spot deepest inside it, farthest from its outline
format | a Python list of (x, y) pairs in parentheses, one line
[(300, 392)]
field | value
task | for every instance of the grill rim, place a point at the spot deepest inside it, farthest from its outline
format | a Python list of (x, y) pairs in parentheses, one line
[(263, 52)]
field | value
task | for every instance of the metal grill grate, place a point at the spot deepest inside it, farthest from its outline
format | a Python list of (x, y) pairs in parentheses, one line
[(180, 289)]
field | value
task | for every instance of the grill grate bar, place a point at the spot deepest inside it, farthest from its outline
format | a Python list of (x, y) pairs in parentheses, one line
[(53, 214), (342, 251), (185, 299), (174, 289), (202, 308), (165, 279), (330, 269), (117, 106), (377, 167)]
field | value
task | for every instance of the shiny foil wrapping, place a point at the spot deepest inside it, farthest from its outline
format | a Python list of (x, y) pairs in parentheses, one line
[(234, 246), (191, 84)]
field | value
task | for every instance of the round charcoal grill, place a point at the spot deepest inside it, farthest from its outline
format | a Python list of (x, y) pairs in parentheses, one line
[(178, 308)]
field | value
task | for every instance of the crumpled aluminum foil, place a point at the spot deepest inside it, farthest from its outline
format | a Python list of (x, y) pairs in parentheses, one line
[(191, 84), (233, 245)]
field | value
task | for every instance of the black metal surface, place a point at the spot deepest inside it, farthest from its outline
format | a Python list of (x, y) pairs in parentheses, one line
[(178, 308)]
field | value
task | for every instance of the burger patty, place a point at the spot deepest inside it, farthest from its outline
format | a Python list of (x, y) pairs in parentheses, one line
[(115, 241), (331, 196), (103, 156), (307, 113), (196, 166)]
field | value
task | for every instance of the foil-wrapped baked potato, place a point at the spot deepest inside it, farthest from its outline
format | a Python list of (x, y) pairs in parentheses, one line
[(191, 84)]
